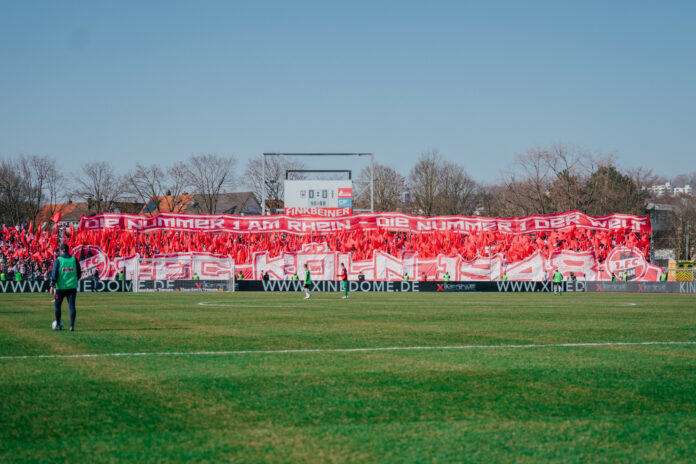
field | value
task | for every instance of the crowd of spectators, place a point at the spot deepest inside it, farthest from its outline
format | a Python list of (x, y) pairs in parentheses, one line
[(26, 254), (362, 243)]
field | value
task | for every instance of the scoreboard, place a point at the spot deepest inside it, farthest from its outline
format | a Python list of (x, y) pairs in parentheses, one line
[(318, 198)]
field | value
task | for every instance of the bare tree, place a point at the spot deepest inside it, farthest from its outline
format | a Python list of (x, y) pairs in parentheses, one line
[(35, 171), (276, 166), (457, 191), (569, 166), (424, 181), (645, 178), (211, 175), (613, 192), (56, 188), (13, 193), (157, 187), (439, 186), (563, 178), (26, 184), (100, 186), (549, 180), (528, 184), (684, 179), (147, 182), (178, 182), (681, 227), (389, 187), (494, 200)]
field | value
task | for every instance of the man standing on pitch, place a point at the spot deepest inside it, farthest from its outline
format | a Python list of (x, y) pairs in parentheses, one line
[(557, 282), (307, 281), (66, 273), (344, 281)]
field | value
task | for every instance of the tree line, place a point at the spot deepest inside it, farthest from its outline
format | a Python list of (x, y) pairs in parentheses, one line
[(543, 180)]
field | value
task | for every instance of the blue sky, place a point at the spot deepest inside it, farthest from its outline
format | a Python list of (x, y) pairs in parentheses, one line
[(157, 81)]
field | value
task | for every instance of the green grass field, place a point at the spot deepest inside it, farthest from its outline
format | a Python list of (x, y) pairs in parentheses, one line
[(496, 403)]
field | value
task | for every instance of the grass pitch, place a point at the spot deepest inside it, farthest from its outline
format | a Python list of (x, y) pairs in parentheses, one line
[(494, 404)]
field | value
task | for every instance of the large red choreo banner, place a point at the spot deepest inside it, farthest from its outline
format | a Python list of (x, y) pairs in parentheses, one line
[(378, 265), (394, 222)]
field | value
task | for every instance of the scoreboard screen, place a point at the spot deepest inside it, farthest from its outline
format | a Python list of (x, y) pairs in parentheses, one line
[(318, 198)]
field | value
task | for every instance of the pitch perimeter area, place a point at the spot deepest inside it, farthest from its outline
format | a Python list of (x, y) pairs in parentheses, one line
[(377, 377)]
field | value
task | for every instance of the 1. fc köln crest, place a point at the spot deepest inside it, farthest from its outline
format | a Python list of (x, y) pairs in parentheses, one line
[(628, 261), (93, 258)]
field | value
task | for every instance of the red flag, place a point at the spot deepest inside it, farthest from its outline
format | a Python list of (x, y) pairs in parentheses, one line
[(57, 217)]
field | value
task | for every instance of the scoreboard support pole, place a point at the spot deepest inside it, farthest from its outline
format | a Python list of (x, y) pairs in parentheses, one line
[(372, 183), (263, 173)]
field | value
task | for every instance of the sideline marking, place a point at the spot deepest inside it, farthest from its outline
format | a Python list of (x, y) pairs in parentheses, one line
[(241, 305), (342, 350), (406, 303)]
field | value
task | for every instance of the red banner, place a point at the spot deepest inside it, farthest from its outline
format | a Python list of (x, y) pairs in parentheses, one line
[(394, 222), (379, 266)]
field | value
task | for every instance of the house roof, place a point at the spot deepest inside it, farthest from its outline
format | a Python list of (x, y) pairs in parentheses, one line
[(228, 203), (275, 204), (128, 207), (71, 212), (242, 203), (167, 204), (659, 207)]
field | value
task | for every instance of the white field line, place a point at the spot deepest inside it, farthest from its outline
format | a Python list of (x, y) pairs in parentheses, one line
[(343, 350), (296, 304), (242, 305)]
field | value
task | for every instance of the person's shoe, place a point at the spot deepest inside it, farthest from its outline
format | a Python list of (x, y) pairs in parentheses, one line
[(306, 297), (345, 297), (72, 329)]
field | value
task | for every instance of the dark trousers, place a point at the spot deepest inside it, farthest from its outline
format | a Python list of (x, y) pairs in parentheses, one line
[(70, 294)]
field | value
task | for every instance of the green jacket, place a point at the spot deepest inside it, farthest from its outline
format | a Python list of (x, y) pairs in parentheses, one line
[(66, 279), (557, 277)]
